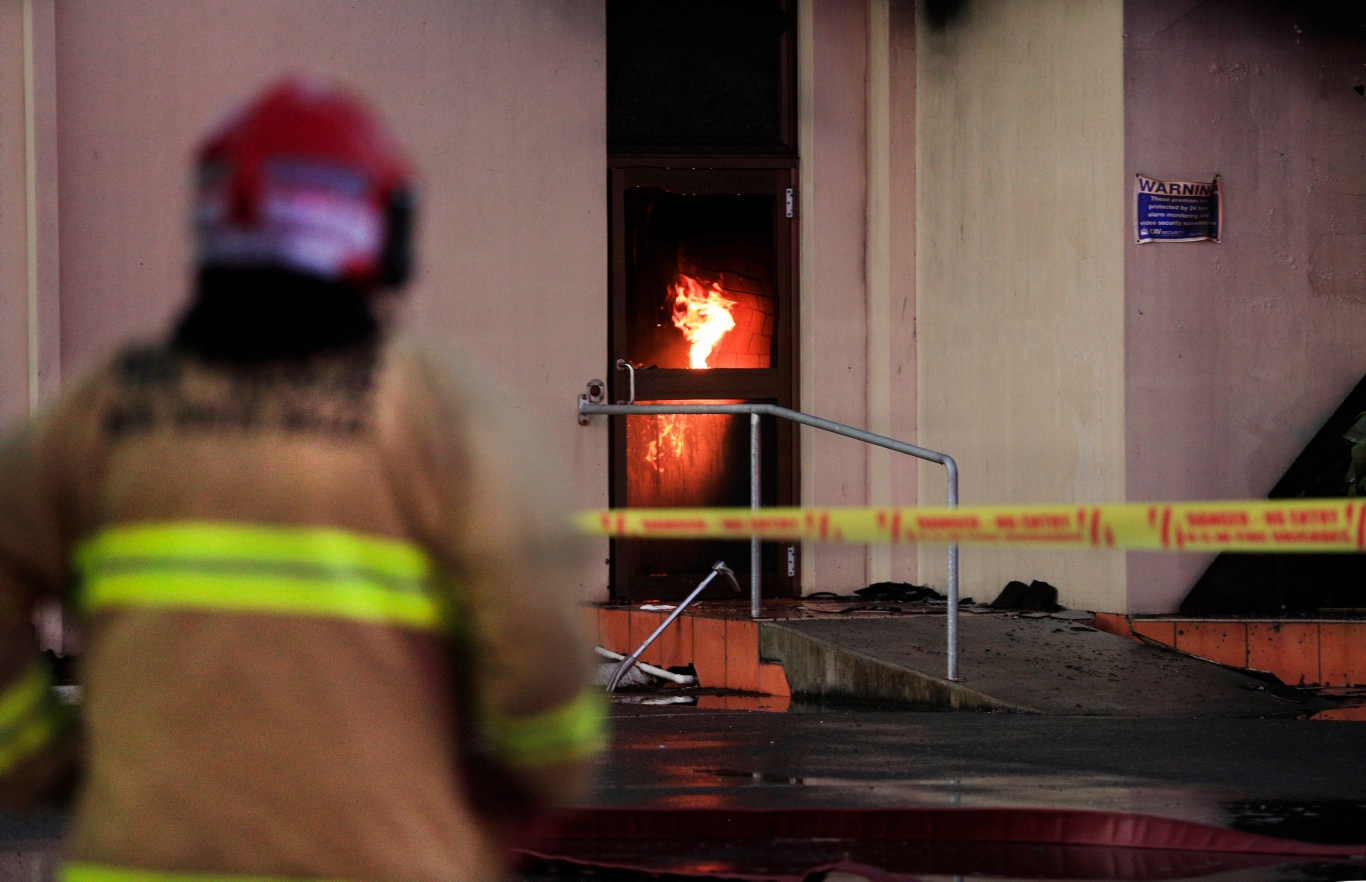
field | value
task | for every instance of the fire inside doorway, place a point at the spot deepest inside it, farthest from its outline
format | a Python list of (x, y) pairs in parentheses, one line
[(701, 314)]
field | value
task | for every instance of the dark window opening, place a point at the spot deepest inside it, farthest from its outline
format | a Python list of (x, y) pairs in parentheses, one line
[(700, 76)]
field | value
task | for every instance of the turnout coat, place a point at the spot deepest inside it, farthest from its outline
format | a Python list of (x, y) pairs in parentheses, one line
[(325, 620)]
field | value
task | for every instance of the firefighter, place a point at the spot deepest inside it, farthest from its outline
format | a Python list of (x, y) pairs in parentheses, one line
[(326, 631)]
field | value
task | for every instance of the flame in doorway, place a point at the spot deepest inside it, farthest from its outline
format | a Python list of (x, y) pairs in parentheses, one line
[(669, 443), (703, 314), (685, 460)]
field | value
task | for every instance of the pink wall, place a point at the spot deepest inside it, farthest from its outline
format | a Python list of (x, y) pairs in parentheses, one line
[(833, 325), (29, 260), (856, 211), (1019, 276), (1237, 352), (500, 104), (1233, 353), (13, 225)]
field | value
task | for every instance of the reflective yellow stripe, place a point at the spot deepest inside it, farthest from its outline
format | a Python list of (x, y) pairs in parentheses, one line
[(79, 872), (30, 715), (572, 731), (248, 568)]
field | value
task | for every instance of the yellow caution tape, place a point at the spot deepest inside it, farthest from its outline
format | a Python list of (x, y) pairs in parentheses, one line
[(1322, 525)]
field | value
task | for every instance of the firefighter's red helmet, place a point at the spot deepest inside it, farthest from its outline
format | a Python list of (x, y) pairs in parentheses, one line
[(304, 178)]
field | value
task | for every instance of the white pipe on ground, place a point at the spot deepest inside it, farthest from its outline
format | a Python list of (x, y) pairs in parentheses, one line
[(680, 679)]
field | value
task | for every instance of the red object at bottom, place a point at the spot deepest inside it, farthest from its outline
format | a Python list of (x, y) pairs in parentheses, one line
[(765, 845)]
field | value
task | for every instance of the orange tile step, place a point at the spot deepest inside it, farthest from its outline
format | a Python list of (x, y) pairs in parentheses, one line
[(1299, 652), (723, 651)]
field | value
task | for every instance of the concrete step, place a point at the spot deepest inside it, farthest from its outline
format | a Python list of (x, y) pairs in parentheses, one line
[(1008, 661), (1014, 663)]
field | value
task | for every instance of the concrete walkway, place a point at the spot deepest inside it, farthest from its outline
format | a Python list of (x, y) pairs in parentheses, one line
[(1022, 662)]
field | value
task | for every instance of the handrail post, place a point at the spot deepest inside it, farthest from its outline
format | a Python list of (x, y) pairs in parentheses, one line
[(951, 471), (755, 500)]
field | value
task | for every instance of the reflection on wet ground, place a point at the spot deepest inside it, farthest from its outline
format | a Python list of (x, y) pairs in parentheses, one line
[(1330, 820), (1283, 778), (1291, 779), (1344, 705)]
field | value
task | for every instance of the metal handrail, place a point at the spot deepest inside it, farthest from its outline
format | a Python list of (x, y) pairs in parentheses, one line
[(590, 405)]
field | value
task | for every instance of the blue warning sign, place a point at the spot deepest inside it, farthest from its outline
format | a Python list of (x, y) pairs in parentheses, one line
[(1177, 211)]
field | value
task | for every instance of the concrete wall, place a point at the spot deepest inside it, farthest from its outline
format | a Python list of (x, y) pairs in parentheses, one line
[(1020, 299), (14, 268), (1238, 352), (501, 105), (29, 307), (968, 278), (832, 126), (893, 402), (856, 205)]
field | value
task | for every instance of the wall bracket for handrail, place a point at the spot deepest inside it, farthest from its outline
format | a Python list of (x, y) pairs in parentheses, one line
[(590, 405)]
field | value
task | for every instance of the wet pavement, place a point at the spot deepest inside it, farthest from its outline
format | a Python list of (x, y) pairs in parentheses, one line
[(1051, 720), (1287, 778), (1185, 768), (1282, 777)]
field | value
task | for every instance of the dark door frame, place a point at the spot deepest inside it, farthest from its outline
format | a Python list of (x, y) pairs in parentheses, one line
[(711, 175)]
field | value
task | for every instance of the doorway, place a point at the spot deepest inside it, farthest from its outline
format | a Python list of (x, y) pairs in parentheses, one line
[(702, 303), (701, 311)]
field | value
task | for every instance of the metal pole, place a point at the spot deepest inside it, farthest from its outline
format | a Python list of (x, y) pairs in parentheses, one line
[(951, 468), (628, 661), (755, 576), (587, 408)]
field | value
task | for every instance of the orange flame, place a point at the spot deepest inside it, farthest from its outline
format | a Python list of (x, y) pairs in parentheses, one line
[(679, 459), (703, 314), (669, 444)]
